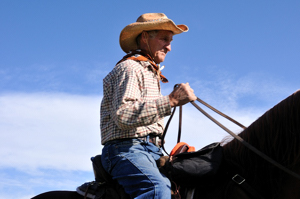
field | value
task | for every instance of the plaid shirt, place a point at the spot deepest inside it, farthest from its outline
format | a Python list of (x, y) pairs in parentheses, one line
[(132, 104)]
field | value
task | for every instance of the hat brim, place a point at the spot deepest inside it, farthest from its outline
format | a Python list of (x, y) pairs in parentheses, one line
[(129, 33)]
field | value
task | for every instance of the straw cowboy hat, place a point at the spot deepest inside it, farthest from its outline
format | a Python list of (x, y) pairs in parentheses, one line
[(147, 22)]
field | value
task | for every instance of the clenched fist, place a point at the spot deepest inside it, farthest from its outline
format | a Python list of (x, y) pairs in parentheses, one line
[(181, 95)]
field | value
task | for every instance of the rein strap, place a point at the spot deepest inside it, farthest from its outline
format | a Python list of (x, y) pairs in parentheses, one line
[(249, 146)]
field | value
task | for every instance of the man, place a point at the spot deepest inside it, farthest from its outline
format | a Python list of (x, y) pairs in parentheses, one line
[(132, 109)]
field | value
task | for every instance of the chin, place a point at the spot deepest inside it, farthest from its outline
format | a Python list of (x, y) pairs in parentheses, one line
[(159, 60)]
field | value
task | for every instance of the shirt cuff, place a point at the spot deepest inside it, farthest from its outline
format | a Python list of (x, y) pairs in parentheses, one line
[(163, 106)]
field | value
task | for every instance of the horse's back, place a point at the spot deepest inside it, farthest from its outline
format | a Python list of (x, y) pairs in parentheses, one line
[(59, 195)]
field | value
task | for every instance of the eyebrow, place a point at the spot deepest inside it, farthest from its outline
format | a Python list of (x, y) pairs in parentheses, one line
[(166, 37)]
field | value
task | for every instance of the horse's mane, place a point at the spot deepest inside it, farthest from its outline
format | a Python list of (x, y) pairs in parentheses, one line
[(277, 134)]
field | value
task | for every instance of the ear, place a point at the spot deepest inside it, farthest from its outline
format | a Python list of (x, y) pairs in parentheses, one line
[(145, 37)]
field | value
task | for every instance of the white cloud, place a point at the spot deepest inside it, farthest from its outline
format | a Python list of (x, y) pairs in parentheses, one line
[(61, 131), (41, 130)]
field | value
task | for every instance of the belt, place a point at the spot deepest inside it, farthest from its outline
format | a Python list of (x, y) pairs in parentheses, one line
[(154, 139)]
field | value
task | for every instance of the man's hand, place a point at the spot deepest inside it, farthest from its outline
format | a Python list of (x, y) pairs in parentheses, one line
[(181, 95)]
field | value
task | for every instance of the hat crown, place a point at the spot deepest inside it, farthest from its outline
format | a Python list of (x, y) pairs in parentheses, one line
[(151, 17)]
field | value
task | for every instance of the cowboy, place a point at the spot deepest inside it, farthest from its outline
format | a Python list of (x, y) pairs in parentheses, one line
[(132, 108)]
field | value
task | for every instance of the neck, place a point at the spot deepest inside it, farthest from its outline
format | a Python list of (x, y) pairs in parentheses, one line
[(145, 53)]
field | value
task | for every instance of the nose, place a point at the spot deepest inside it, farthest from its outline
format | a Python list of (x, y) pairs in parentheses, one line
[(168, 47)]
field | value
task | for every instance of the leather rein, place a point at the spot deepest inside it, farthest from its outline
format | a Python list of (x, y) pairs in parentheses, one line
[(249, 146)]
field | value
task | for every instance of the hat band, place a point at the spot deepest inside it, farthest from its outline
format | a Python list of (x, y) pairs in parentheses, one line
[(154, 20)]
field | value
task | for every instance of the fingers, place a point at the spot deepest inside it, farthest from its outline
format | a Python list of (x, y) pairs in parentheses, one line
[(182, 94), (189, 91)]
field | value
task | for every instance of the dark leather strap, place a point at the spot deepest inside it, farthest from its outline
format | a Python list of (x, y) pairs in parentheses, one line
[(180, 124), (240, 181), (165, 131), (220, 113)]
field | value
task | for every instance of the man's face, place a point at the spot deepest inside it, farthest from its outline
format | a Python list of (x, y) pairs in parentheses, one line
[(160, 45)]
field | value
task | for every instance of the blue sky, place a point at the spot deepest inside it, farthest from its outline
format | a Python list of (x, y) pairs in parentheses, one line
[(242, 57)]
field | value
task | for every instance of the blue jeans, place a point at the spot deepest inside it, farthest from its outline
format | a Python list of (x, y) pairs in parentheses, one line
[(132, 163)]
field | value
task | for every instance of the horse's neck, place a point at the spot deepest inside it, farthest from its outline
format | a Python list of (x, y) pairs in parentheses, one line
[(291, 188), (276, 134)]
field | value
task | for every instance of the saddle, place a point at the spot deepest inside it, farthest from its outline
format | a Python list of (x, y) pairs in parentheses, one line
[(104, 187)]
